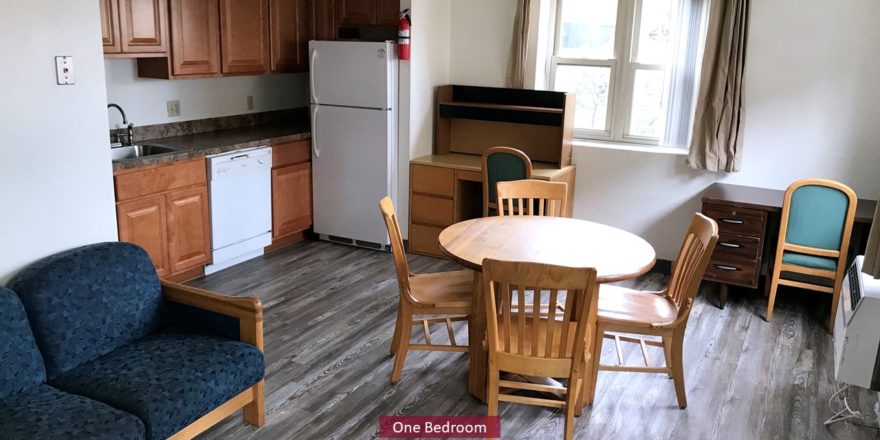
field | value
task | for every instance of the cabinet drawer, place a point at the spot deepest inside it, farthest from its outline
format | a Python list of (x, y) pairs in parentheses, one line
[(428, 210), (737, 221), (159, 179), (291, 153), (737, 246), (732, 271), (432, 180), (424, 239)]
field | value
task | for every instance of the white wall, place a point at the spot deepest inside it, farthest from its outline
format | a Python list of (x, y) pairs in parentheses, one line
[(812, 100), (145, 100), (56, 184), (482, 33)]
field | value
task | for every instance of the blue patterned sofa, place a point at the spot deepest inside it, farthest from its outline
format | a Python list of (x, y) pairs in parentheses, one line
[(101, 348)]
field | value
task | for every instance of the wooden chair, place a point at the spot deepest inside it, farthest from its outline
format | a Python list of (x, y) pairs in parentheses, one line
[(448, 294), (540, 197), (530, 341), (664, 314), (814, 233), (502, 164)]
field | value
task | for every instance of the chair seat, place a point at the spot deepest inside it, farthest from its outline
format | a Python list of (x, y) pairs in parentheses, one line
[(633, 307), (810, 261), (47, 413), (168, 379), (443, 289)]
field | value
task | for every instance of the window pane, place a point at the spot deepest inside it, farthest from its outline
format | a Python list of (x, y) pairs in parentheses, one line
[(654, 25), (587, 28), (647, 103), (590, 84)]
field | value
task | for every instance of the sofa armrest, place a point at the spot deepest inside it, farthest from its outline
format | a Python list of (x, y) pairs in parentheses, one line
[(247, 309)]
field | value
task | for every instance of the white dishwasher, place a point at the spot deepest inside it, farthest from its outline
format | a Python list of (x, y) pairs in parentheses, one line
[(241, 206)]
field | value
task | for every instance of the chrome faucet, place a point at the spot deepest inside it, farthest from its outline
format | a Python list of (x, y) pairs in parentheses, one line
[(129, 136)]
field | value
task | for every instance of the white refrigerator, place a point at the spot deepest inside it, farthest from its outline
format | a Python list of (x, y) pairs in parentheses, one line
[(354, 138)]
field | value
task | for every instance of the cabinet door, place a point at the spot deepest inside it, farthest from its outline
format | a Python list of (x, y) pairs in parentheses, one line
[(143, 222), (290, 31), (195, 37), (387, 12), (143, 26), (291, 199), (244, 26), (323, 20), (189, 237), (110, 25), (355, 12)]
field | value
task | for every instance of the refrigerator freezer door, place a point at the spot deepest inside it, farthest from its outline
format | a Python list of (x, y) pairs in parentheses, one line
[(351, 171), (352, 73)]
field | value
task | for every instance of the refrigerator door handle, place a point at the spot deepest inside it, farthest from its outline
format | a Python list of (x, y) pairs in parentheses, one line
[(312, 76), (315, 151)]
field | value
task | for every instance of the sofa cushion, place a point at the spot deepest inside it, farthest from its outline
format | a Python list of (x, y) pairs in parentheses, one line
[(168, 379), (47, 413), (21, 366), (87, 301)]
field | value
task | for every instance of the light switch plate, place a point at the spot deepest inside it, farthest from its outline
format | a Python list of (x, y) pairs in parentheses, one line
[(64, 71), (173, 108)]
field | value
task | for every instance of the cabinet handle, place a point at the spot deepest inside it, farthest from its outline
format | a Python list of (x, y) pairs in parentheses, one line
[(730, 245), (732, 222), (727, 268)]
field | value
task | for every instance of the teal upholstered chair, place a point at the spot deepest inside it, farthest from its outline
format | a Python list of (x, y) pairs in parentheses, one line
[(502, 164), (817, 218)]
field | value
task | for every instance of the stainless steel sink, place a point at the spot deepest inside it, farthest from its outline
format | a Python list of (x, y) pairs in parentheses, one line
[(122, 153)]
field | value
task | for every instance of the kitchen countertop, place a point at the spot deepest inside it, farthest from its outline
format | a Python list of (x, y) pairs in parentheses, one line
[(215, 142)]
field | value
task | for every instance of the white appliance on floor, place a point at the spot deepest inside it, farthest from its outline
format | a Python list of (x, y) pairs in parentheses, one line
[(857, 329), (241, 206), (354, 138)]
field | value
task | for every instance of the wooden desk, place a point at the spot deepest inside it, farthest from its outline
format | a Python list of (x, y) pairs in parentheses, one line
[(616, 254), (448, 188), (748, 223)]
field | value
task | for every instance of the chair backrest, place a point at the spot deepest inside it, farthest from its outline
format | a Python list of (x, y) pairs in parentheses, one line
[(21, 365), (397, 250), (556, 332), (531, 197), (818, 214), (88, 301), (690, 266), (502, 164)]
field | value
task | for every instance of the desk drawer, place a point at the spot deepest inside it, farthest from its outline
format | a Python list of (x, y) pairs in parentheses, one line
[(434, 211), (425, 240), (736, 220), (737, 246), (432, 180), (733, 271)]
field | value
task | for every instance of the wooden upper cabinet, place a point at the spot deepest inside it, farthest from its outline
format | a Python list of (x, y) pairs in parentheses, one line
[(195, 36), (290, 31), (143, 26), (355, 12), (387, 12), (189, 237), (143, 223), (110, 26), (323, 20), (244, 27)]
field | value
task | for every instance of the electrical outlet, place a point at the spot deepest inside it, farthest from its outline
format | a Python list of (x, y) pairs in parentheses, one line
[(173, 108), (250, 102), (64, 71)]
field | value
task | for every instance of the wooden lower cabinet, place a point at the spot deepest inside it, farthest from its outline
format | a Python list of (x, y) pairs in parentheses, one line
[(164, 209), (291, 192), (143, 222), (189, 239)]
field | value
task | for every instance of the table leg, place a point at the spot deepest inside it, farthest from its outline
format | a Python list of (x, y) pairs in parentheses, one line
[(477, 333)]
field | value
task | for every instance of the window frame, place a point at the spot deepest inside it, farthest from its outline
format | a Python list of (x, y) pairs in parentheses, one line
[(623, 66)]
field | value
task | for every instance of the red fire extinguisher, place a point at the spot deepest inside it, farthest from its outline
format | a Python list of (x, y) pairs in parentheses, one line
[(403, 34)]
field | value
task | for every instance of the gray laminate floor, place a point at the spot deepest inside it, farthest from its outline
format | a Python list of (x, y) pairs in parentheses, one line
[(329, 314)]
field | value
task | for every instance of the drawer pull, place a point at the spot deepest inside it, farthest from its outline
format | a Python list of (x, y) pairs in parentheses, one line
[(727, 268), (730, 245), (732, 222)]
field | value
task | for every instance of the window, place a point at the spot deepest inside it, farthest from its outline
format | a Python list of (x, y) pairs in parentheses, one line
[(614, 54)]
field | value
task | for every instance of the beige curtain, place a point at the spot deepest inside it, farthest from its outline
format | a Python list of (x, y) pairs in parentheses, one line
[(717, 140), (516, 67), (871, 265)]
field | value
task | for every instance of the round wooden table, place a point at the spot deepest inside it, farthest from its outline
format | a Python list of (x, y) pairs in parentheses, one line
[(616, 254)]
